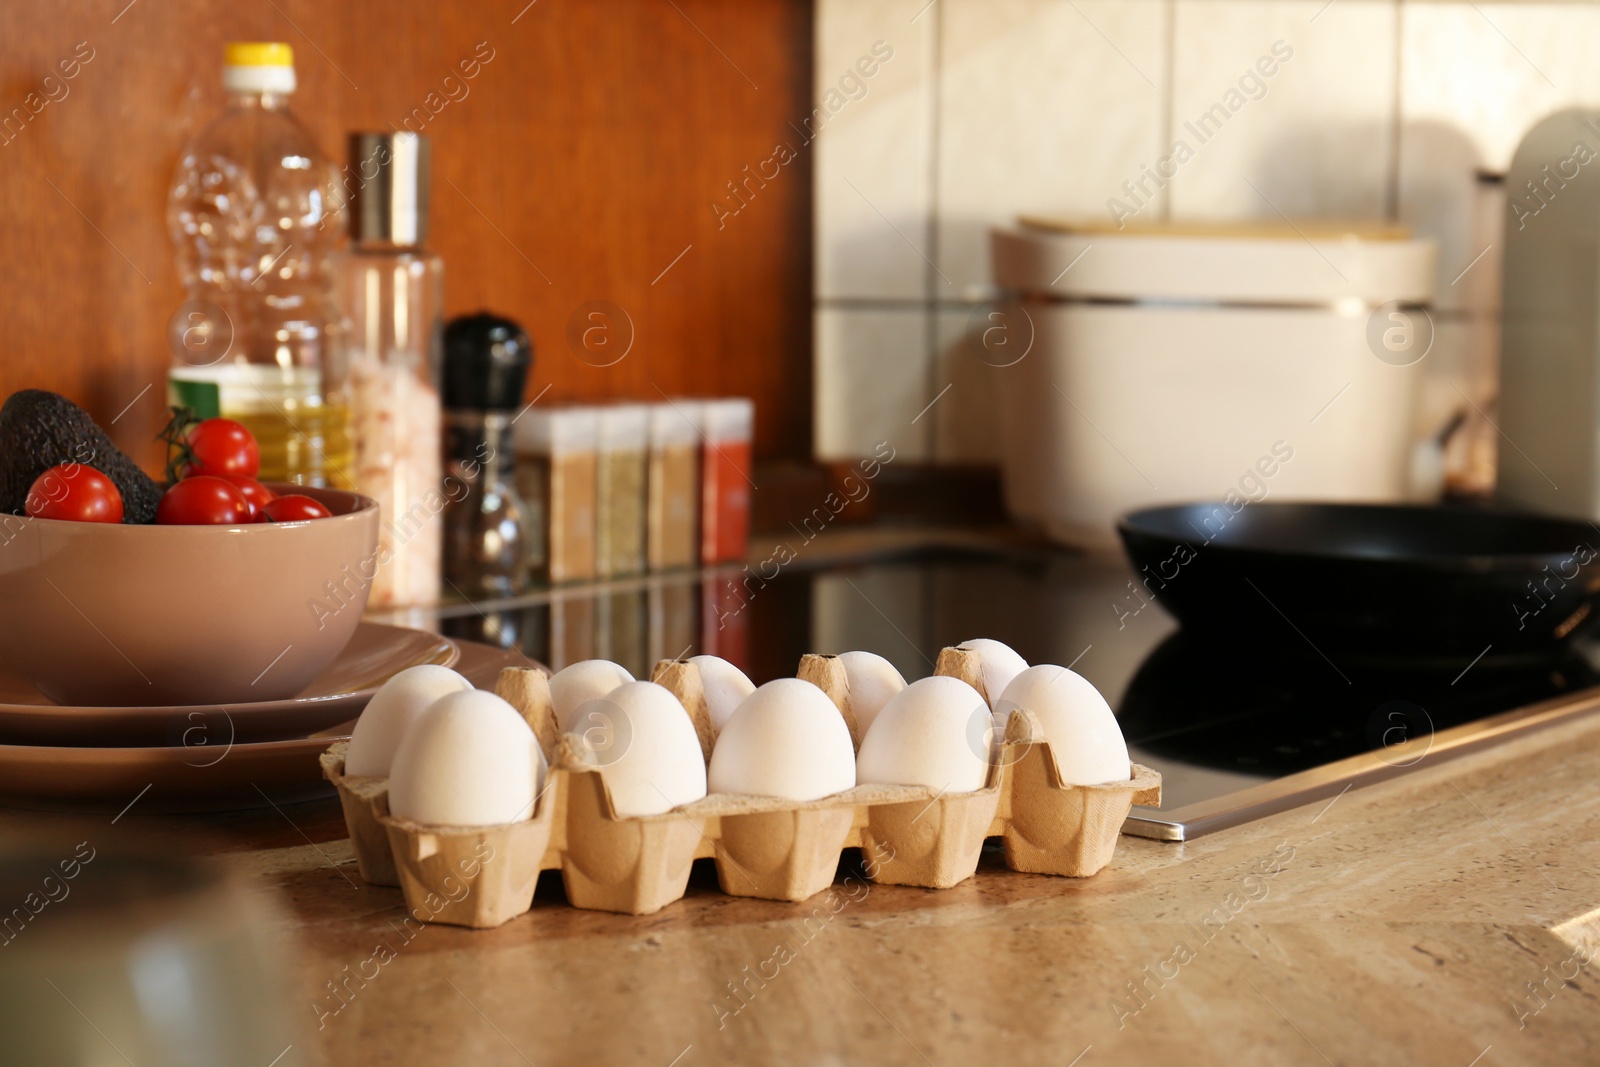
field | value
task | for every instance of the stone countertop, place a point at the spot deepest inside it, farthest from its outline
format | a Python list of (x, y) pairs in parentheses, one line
[(1431, 919), (1444, 917)]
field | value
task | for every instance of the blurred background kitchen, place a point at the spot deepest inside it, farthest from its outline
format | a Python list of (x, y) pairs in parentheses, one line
[(799, 204)]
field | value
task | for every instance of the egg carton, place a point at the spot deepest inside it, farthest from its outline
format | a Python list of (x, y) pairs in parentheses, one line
[(764, 847)]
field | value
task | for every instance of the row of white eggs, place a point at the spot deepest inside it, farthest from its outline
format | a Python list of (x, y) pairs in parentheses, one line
[(455, 755)]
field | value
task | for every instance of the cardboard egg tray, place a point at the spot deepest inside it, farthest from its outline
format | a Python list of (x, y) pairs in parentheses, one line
[(763, 847)]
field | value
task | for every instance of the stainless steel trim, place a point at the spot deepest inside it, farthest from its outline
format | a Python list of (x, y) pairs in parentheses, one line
[(1296, 790), (1189, 303)]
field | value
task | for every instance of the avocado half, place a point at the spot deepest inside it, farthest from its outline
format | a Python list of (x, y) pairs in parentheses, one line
[(40, 429)]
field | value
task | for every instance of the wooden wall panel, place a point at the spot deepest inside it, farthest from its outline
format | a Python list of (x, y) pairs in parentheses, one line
[(584, 159)]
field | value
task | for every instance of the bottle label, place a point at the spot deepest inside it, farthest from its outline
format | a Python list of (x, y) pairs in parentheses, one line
[(203, 398)]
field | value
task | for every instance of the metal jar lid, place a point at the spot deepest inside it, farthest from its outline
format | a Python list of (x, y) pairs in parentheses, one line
[(388, 178)]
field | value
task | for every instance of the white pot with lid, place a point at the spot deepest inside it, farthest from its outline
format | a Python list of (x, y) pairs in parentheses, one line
[(1205, 362)]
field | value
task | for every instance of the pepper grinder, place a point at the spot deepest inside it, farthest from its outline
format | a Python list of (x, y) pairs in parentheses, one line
[(486, 361)]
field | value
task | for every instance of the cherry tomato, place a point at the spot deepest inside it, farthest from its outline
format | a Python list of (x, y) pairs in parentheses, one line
[(255, 494), (74, 492), (293, 507), (203, 501), (222, 447)]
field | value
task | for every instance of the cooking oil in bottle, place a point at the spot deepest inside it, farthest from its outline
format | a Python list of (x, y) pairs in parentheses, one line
[(303, 435), (250, 212)]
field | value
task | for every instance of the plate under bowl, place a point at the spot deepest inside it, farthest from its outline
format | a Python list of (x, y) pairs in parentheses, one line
[(147, 780), (375, 653)]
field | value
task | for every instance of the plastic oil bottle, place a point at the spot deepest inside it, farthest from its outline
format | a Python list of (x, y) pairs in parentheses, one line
[(253, 214)]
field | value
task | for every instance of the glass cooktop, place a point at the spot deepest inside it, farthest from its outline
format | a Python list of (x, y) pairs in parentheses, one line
[(1235, 730)]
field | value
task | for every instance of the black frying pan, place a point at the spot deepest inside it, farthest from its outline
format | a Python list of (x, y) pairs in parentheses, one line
[(1369, 580)]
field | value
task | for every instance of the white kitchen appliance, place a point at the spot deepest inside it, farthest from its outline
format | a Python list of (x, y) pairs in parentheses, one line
[(1550, 320), (1198, 362)]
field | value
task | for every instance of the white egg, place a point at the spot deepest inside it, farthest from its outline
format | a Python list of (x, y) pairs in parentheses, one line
[(784, 740), (585, 680), (1078, 723), (873, 681), (391, 711), (645, 746), (935, 732), (725, 686), (997, 663), (470, 760)]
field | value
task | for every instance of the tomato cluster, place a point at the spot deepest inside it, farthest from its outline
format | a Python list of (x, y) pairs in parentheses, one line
[(217, 482), (216, 486)]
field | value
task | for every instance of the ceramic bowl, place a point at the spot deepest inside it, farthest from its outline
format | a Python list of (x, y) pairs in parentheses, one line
[(95, 614)]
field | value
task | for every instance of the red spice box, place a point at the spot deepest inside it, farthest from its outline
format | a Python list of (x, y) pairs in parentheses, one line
[(727, 428)]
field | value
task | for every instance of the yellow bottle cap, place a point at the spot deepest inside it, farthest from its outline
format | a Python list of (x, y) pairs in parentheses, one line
[(258, 54)]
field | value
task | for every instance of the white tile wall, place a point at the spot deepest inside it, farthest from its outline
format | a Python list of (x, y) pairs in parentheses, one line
[(1489, 71), (1314, 138), (993, 108), (1474, 79), (872, 366), (1044, 108), (874, 182), (965, 429)]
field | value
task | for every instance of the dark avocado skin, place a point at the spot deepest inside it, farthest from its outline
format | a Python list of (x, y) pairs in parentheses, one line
[(39, 429)]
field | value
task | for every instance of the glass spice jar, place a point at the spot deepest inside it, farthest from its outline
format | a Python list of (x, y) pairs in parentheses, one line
[(621, 474), (672, 509), (557, 473)]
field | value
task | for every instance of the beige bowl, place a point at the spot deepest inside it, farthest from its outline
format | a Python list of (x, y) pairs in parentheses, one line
[(110, 615)]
